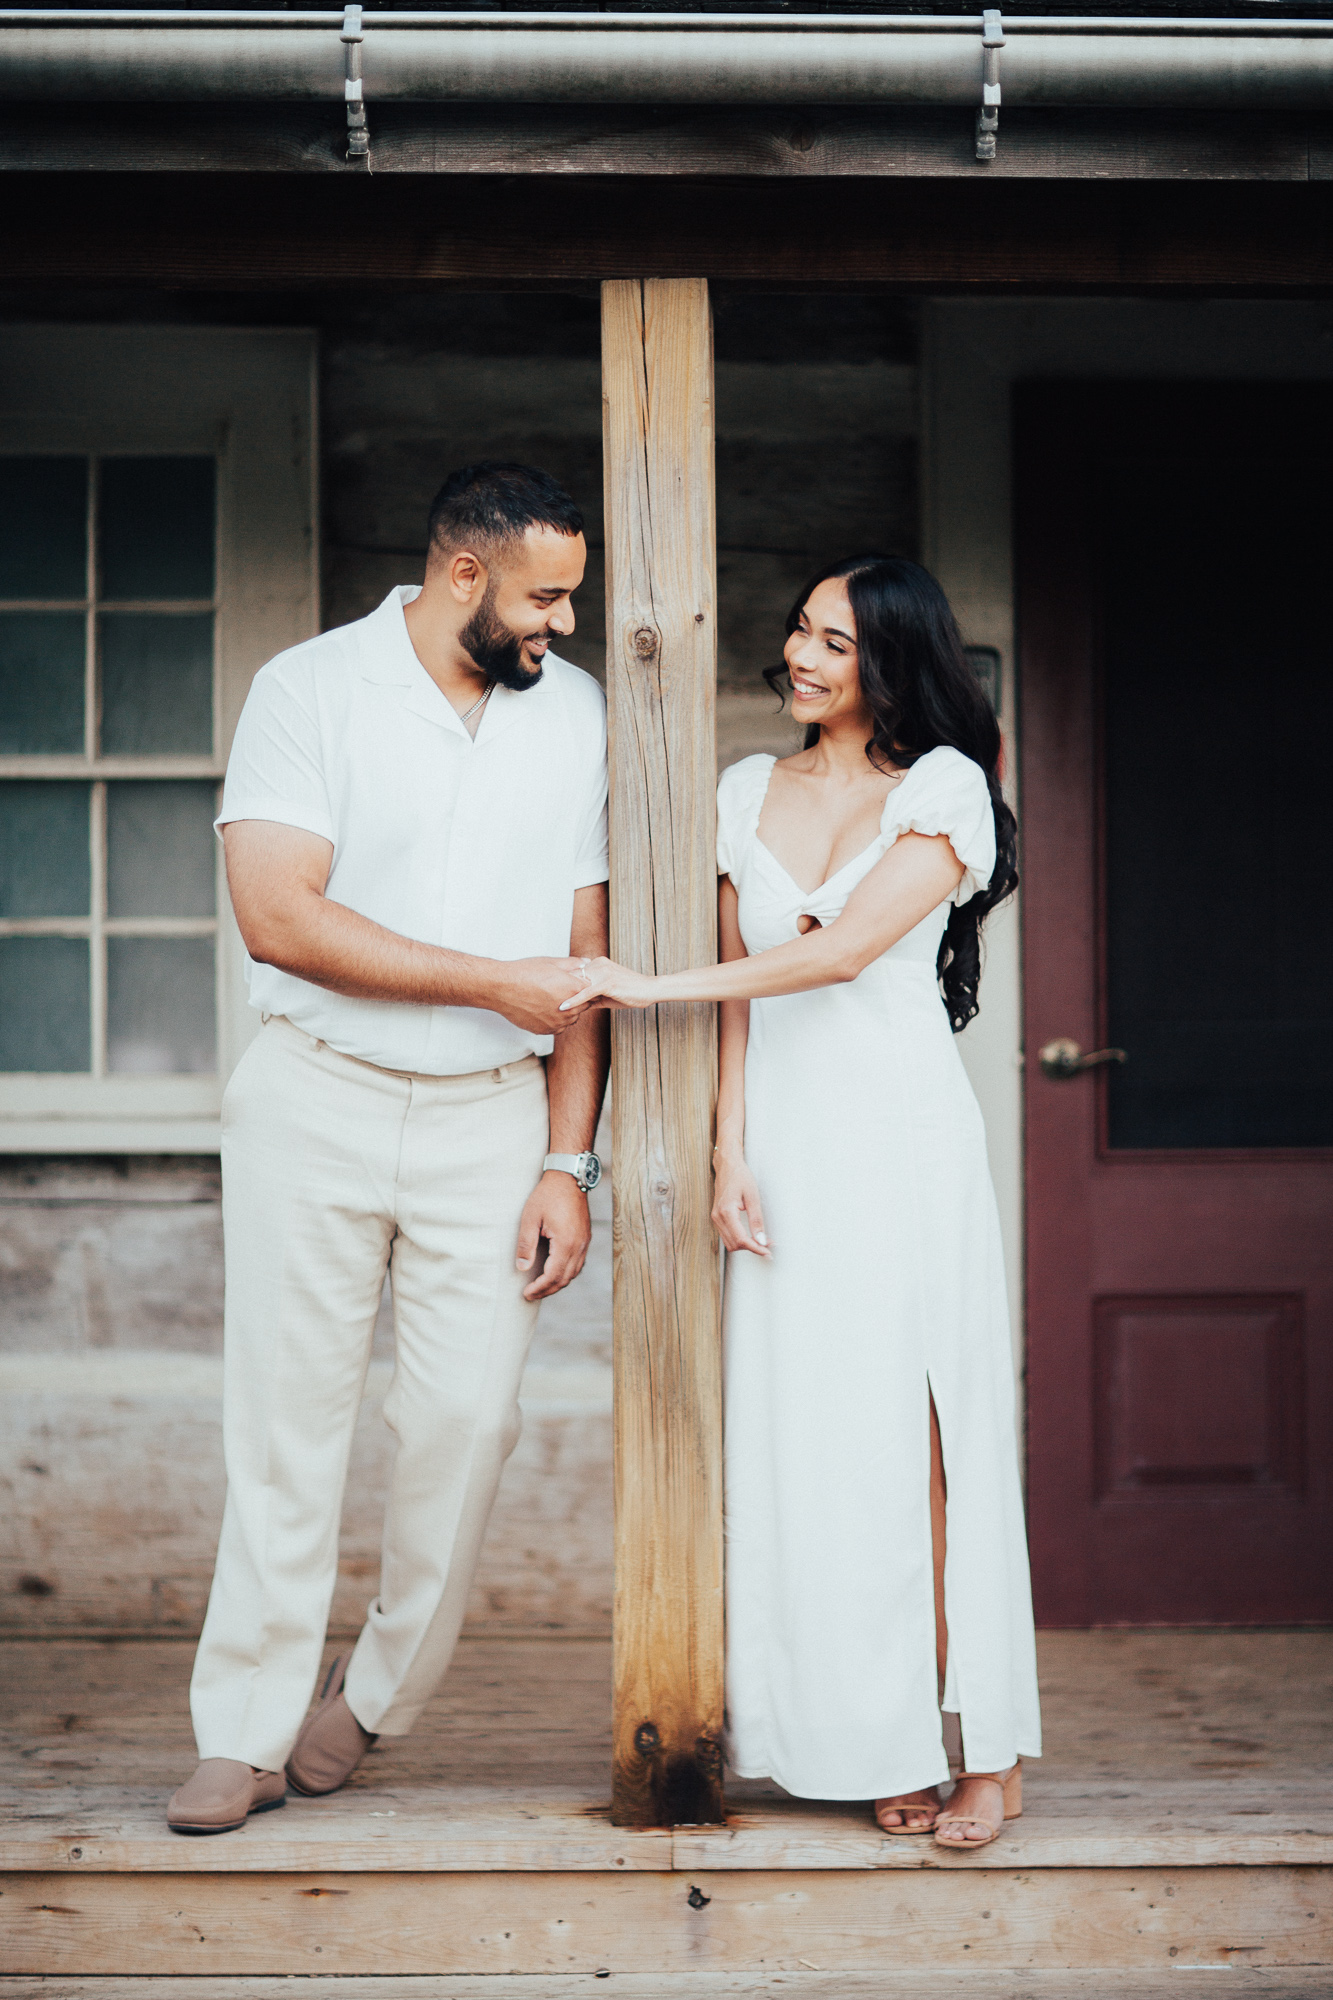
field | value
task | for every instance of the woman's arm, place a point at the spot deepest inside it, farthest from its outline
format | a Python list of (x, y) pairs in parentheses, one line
[(912, 879), (737, 1215)]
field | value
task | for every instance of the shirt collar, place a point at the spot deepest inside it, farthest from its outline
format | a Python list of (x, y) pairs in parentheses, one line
[(389, 658), (388, 655)]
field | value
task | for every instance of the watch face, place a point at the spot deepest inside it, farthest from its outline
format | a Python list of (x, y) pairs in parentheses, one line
[(592, 1171)]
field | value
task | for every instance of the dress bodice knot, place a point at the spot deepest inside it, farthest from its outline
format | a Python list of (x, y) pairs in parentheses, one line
[(944, 792)]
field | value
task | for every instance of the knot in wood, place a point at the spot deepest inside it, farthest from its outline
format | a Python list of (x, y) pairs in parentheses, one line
[(661, 1187), (645, 642), (646, 1739)]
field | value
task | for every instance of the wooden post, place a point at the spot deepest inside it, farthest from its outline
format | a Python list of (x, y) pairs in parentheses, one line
[(657, 394)]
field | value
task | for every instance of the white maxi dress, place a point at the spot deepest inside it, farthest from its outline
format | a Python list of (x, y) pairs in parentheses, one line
[(886, 1285)]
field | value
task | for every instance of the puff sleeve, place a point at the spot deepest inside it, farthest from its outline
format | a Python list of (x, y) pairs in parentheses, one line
[(945, 792), (740, 800)]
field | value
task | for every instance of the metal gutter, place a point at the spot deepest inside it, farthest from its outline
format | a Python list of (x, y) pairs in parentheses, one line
[(157, 55)]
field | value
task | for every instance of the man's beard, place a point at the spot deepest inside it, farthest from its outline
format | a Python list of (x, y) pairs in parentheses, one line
[(496, 648)]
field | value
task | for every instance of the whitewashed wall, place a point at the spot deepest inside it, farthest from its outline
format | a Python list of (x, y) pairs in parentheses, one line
[(110, 1419)]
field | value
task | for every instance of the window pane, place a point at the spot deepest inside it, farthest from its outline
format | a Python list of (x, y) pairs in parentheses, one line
[(159, 1014), (44, 1017), (155, 520), (1223, 994), (44, 865), (41, 683), (43, 527), (161, 850), (157, 684)]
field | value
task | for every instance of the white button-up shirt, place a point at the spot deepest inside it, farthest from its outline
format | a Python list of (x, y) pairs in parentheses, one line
[(475, 845)]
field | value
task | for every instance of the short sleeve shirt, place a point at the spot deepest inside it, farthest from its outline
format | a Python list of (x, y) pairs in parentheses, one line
[(475, 845)]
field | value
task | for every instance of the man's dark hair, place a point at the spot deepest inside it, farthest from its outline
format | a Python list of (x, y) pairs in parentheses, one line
[(485, 505)]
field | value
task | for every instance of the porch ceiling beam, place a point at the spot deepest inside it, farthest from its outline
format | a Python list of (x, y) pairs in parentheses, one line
[(519, 231), (585, 58), (679, 143)]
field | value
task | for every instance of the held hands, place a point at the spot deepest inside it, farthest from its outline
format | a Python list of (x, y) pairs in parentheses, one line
[(539, 993), (737, 1215), (610, 985)]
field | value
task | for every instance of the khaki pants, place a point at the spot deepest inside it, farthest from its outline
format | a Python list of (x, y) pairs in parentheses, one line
[(334, 1170)]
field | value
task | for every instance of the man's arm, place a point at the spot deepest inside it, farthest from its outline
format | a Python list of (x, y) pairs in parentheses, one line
[(277, 877), (576, 1068)]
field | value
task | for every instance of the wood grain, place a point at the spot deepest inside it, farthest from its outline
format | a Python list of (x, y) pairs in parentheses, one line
[(511, 1827), (657, 377), (960, 1918), (917, 1983)]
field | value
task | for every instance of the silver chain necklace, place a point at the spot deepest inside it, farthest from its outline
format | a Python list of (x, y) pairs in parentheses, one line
[(467, 717)]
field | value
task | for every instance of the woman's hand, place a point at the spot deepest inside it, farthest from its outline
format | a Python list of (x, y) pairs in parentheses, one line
[(611, 985), (737, 1215)]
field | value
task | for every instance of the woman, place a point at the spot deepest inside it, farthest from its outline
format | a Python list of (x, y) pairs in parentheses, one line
[(869, 1376)]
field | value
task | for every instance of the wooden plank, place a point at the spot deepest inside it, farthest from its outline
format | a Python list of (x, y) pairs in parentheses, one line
[(921, 1983), (657, 377), (1217, 1754), (522, 231), (843, 1920), (506, 1828), (509, 1827), (584, 140)]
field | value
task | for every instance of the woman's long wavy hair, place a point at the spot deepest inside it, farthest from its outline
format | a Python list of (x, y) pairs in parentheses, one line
[(922, 692)]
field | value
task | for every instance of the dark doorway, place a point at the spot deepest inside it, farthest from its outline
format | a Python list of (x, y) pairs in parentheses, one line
[(1176, 667)]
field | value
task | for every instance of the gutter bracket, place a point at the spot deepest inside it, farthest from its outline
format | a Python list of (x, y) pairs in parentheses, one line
[(358, 135), (988, 117)]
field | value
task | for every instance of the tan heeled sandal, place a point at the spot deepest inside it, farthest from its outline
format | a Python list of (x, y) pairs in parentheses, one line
[(913, 1806), (1011, 1788)]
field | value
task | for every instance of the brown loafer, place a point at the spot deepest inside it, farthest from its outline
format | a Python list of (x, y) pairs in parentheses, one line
[(332, 1742), (221, 1796)]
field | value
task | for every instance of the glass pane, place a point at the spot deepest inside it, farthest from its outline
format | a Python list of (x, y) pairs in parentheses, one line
[(155, 523), (157, 683), (161, 850), (159, 1006), (43, 527), (41, 683), (44, 1014), (1219, 947), (44, 865)]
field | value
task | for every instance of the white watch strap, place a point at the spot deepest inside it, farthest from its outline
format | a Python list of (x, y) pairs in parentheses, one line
[(565, 1163)]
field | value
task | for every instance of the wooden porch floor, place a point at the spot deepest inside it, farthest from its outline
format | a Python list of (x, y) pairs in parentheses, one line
[(1182, 1818)]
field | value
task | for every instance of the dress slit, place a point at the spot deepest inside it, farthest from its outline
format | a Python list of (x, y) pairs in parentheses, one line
[(950, 1697)]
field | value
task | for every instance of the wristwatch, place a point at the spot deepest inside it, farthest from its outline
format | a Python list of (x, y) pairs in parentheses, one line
[(585, 1167)]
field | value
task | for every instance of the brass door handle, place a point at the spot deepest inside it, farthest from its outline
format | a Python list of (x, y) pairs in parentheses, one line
[(1064, 1058)]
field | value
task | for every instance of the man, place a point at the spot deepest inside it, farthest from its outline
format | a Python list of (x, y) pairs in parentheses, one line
[(415, 831)]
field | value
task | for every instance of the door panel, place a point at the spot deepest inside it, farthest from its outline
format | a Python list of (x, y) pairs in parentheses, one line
[(1176, 664)]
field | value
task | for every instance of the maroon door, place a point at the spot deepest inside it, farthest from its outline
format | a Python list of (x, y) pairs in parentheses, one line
[(1175, 552)]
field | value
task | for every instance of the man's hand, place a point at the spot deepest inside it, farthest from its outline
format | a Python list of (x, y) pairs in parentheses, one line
[(557, 1209), (530, 992)]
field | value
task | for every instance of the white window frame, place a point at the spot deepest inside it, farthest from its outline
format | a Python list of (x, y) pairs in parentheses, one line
[(248, 399)]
